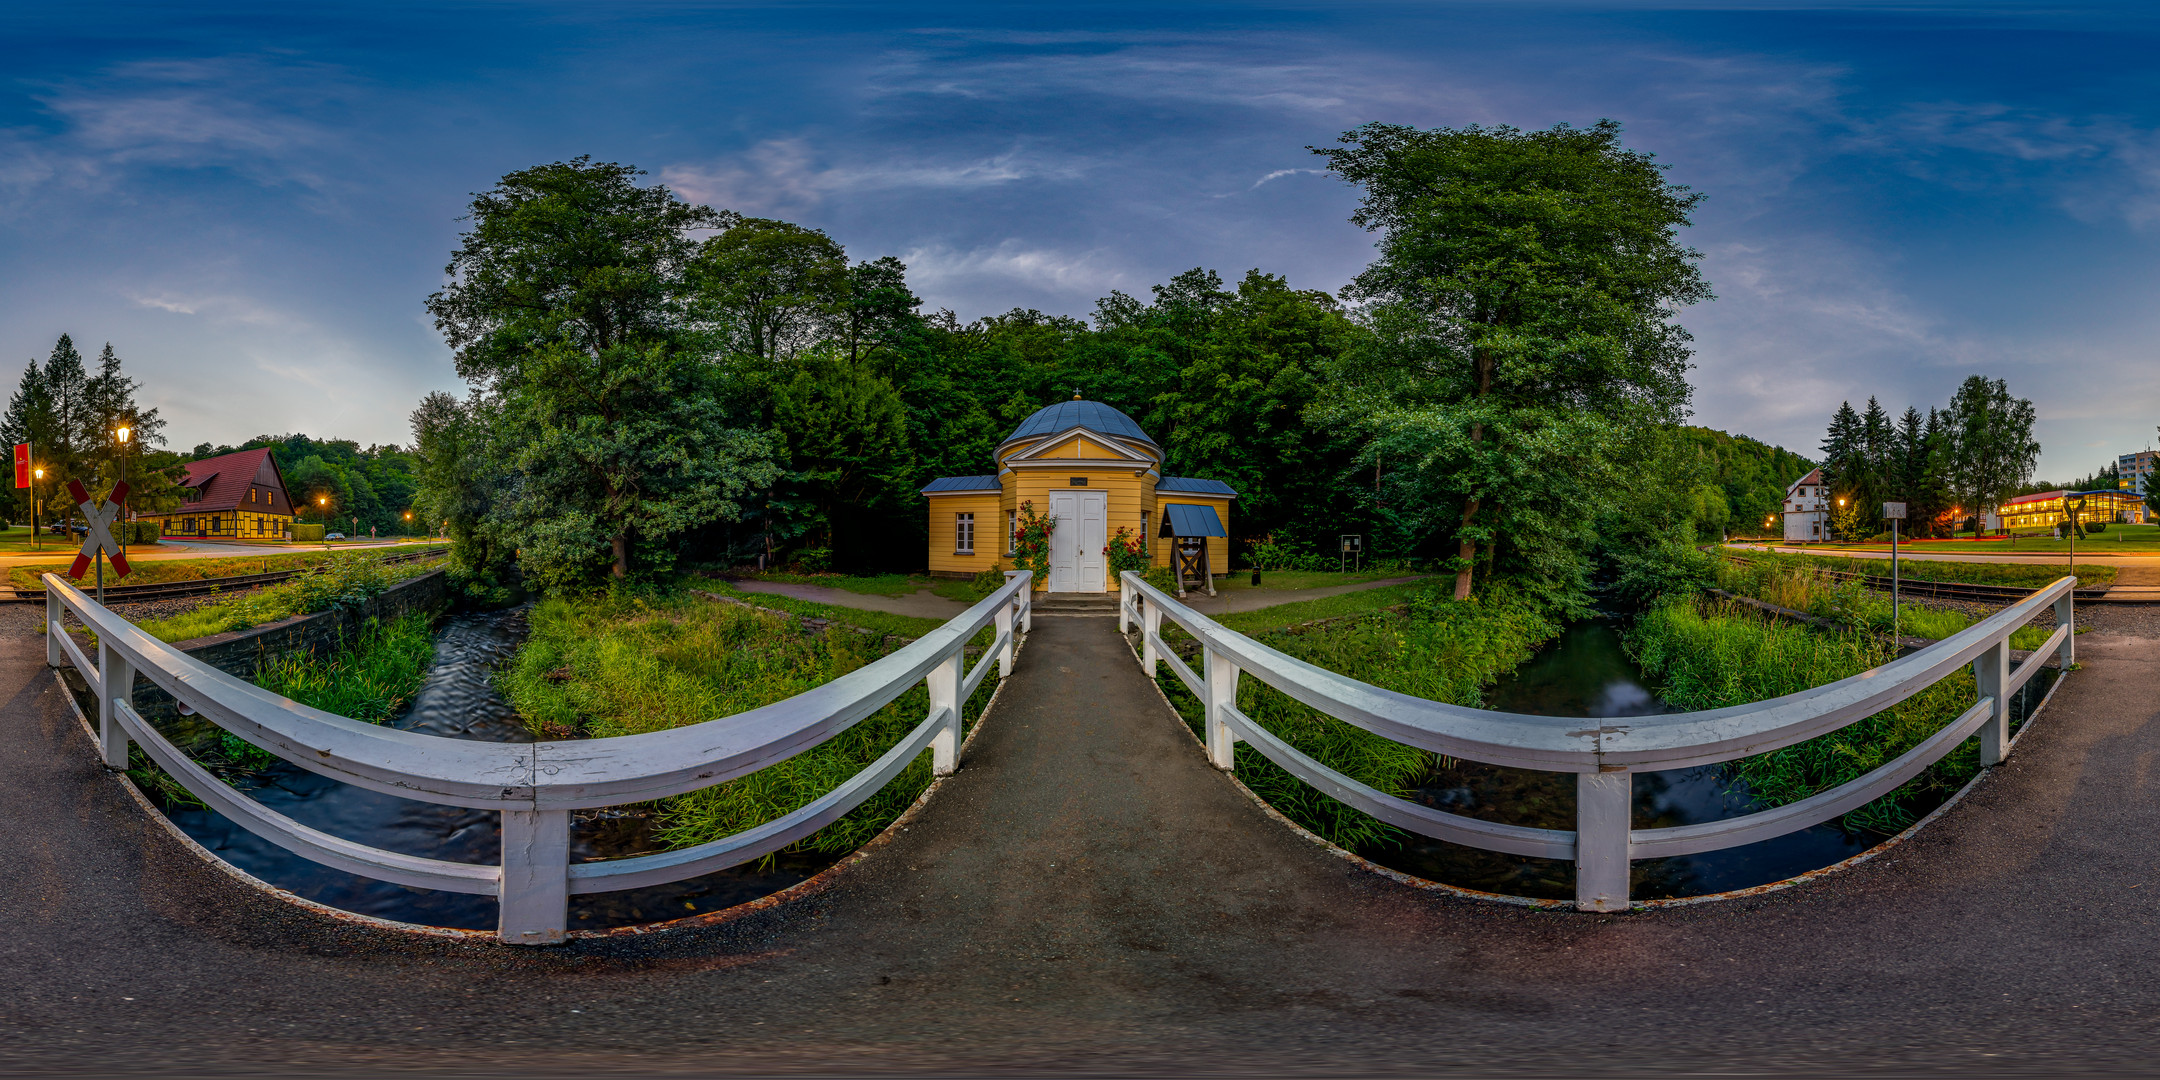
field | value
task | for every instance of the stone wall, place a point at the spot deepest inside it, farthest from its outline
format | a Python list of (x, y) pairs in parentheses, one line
[(244, 652)]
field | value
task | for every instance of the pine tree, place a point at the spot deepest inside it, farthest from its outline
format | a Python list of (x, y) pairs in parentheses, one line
[(1842, 447), (30, 420)]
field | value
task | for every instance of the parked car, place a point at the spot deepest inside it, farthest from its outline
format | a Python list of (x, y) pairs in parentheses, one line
[(333, 536)]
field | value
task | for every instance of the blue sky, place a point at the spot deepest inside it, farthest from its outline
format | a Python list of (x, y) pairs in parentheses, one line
[(251, 201)]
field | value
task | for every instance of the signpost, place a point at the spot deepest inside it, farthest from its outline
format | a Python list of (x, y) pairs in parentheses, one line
[(2073, 505), (1353, 546), (1896, 513), (26, 477), (98, 543)]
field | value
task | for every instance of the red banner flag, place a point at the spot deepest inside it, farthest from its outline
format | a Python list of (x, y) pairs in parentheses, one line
[(22, 464)]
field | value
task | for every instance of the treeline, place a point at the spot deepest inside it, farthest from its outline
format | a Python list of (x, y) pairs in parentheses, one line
[(1742, 481), (1949, 467), (652, 381), (72, 418), (336, 482), (755, 391)]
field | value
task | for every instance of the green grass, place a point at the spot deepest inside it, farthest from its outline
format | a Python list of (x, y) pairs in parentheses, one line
[(1709, 655), (868, 585), (1361, 602), (2118, 539), (910, 626), (1433, 647), (153, 571), (624, 665), (2020, 575), (368, 678), (341, 580), (1304, 579)]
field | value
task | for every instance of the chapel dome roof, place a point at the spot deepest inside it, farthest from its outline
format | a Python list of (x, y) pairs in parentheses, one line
[(1092, 415)]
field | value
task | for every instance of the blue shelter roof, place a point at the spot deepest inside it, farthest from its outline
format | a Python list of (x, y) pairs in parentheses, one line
[(1092, 415), (1193, 485), (1185, 520), (961, 483)]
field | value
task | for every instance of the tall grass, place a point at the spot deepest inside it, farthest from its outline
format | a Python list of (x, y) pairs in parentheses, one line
[(1433, 646), (343, 580), (368, 677), (622, 665), (1706, 655), (154, 571), (2020, 575), (1807, 588)]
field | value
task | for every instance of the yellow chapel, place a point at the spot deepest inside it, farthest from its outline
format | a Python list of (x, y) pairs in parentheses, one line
[(1094, 471)]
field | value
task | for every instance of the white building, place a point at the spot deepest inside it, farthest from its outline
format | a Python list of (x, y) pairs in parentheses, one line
[(1807, 508)]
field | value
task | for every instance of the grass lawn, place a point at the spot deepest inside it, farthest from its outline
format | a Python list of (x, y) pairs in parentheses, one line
[(880, 621), (2117, 540), (150, 572), (2021, 575), (1304, 579), (966, 592), (1363, 601), (18, 538)]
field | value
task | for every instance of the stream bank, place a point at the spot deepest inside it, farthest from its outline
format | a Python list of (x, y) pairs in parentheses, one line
[(1587, 673)]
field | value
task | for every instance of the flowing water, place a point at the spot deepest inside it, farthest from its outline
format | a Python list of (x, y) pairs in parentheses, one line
[(459, 701), (1587, 674)]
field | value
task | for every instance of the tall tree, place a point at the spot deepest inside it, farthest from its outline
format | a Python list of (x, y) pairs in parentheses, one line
[(1523, 300), (1844, 449), (770, 289), (846, 437), (1992, 449), (566, 309)]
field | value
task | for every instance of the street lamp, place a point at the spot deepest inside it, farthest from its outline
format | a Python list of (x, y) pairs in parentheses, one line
[(121, 433), (35, 502)]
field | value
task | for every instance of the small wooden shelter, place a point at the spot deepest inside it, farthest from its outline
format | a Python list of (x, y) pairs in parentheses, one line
[(1092, 469)]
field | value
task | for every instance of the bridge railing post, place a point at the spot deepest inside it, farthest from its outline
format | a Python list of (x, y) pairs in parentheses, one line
[(1024, 602), (1991, 670), (1002, 629), (1604, 808), (1150, 634), (117, 683), (944, 684), (1222, 680), (54, 627), (2066, 615), (534, 894)]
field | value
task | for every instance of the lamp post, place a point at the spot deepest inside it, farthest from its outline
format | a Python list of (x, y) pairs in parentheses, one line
[(121, 433), (36, 502)]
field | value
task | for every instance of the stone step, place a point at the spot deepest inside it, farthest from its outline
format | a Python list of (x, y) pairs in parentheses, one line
[(1096, 604)]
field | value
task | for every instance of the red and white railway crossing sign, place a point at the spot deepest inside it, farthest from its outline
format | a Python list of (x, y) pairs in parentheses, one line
[(101, 517)]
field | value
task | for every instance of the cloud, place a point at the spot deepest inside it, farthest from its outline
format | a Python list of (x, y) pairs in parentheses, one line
[(780, 175), (1011, 269)]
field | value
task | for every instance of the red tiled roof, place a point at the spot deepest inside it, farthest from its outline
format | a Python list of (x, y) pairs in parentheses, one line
[(225, 480), (1813, 478)]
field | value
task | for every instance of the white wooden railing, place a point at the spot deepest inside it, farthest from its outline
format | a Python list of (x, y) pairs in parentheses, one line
[(534, 785), (1604, 755)]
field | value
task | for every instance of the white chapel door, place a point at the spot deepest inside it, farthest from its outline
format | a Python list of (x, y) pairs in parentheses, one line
[(1094, 533), (1065, 542)]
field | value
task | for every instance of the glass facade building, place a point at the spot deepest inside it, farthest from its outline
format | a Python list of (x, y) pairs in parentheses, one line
[(2044, 509)]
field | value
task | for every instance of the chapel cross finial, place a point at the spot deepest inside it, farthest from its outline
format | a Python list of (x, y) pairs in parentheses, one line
[(1076, 395)]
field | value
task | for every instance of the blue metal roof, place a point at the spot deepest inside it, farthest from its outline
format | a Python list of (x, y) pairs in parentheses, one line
[(1092, 415), (1193, 485), (961, 483), (1183, 519)]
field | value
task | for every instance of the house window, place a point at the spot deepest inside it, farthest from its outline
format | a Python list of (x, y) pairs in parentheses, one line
[(1012, 530), (963, 534)]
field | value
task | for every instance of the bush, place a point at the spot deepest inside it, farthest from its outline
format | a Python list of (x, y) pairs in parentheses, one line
[(1880, 538), (307, 534), (141, 532), (2096, 526), (1273, 554), (813, 560)]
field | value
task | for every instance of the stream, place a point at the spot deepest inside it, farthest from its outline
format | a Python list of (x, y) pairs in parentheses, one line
[(459, 701), (1587, 674)]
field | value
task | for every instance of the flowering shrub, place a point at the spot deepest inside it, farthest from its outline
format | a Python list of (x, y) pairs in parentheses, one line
[(1127, 551), (1031, 542)]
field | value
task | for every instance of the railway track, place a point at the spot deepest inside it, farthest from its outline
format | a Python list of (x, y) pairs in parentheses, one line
[(166, 590)]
